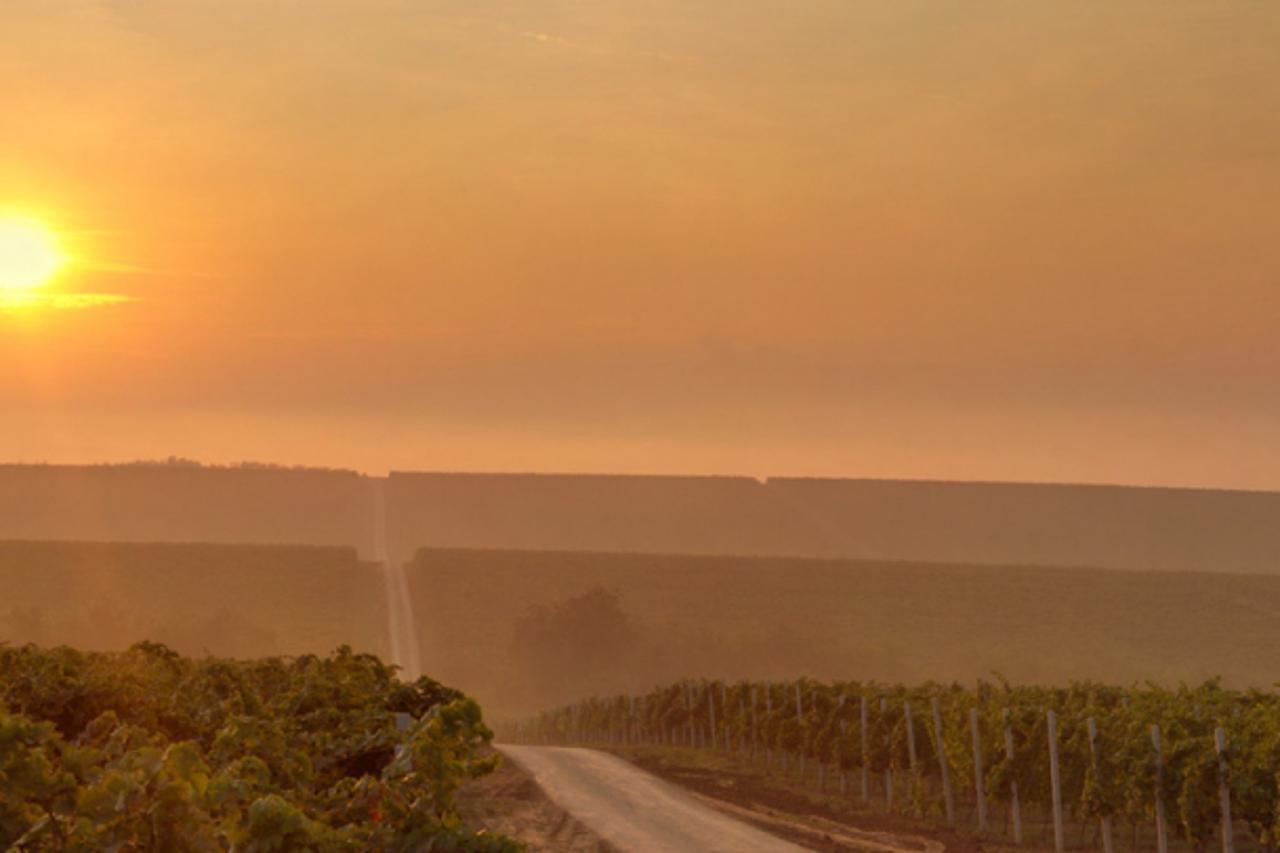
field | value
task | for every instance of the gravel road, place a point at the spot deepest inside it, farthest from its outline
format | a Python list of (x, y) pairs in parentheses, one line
[(632, 809)]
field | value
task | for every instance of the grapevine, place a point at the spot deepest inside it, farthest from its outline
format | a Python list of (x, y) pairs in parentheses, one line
[(1117, 776), (149, 750)]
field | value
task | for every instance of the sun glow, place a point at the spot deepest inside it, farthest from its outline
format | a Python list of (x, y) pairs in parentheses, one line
[(29, 256)]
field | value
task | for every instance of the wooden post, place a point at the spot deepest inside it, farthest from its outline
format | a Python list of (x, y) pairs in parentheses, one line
[(707, 730), (1105, 820), (844, 775), (711, 712), (1055, 781), (799, 723), (1162, 838), (742, 722), (888, 771), (724, 709), (911, 736), (688, 706), (948, 797), (1224, 791), (866, 755), (1015, 806), (979, 779), (695, 730), (768, 709), (755, 724)]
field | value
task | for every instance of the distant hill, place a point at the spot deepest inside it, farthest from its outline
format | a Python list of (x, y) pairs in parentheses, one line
[(242, 601), (773, 617), (989, 523), (688, 515), (1064, 525), (184, 503)]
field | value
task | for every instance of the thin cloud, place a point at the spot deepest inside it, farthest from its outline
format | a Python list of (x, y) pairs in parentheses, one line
[(63, 301), (133, 269), (552, 39), (547, 38)]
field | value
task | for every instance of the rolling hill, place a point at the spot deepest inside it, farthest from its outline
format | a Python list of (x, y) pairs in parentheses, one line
[(1197, 530), (779, 617), (241, 601)]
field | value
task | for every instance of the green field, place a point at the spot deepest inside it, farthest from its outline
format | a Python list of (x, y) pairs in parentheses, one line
[(775, 618), (233, 600)]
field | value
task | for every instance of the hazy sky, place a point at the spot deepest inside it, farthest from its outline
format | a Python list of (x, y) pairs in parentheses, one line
[(973, 239)]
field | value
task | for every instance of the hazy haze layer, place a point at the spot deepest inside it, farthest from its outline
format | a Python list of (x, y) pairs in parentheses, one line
[(994, 240)]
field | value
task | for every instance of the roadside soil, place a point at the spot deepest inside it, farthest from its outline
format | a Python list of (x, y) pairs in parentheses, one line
[(508, 801), (803, 817)]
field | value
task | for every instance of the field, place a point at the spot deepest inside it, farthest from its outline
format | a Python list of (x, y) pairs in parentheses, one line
[(242, 601), (523, 629), (184, 503), (677, 616)]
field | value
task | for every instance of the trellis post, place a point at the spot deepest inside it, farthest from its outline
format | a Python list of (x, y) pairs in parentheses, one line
[(1015, 806), (866, 754), (979, 780), (1224, 791), (1055, 781), (1162, 838), (711, 712), (948, 797), (1104, 820)]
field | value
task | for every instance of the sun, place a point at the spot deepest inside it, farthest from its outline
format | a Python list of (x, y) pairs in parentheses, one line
[(29, 256)]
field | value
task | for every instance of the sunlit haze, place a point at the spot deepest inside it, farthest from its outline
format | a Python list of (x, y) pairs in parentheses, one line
[(29, 257), (661, 425), (959, 240)]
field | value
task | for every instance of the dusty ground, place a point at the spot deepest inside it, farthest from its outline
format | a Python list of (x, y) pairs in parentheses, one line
[(508, 801), (802, 818), (635, 810)]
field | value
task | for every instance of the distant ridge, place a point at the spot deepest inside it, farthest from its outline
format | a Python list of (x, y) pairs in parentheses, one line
[(183, 503), (1104, 526)]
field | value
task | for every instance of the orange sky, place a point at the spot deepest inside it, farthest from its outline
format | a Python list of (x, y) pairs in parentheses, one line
[(999, 240)]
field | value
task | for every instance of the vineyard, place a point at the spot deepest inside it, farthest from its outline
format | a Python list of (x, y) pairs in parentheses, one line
[(1084, 767), (147, 750)]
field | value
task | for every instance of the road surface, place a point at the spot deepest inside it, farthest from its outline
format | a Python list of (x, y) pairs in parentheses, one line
[(632, 809), (402, 628)]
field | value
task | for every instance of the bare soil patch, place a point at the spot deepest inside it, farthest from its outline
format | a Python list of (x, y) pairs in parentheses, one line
[(795, 815)]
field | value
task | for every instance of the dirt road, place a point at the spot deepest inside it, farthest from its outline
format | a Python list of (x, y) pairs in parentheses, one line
[(632, 809), (402, 628)]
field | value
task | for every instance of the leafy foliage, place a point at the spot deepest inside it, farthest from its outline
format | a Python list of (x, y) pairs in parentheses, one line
[(1120, 775), (145, 749)]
